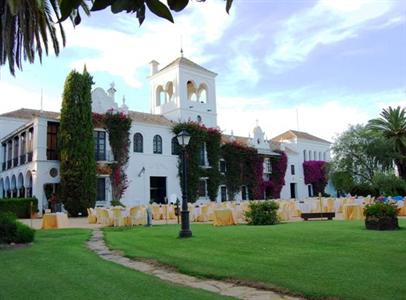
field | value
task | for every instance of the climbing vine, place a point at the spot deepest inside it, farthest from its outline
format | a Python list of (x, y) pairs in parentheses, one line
[(315, 174), (200, 135), (117, 125)]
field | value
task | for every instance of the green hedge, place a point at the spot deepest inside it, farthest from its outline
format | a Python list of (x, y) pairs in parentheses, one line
[(13, 231), (19, 206)]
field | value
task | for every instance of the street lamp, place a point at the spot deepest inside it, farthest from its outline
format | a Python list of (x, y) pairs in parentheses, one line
[(183, 139)]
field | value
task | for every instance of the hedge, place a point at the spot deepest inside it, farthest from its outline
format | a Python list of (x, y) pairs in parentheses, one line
[(19, 206)]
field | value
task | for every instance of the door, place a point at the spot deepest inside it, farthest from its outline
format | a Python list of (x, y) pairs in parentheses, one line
[(293, 190), (157, 189), (223, 190)]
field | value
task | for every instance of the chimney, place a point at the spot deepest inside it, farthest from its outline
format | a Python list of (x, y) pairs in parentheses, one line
[(154, 67)]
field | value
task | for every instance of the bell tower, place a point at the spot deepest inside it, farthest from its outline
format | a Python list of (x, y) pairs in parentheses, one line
[(184, 91)]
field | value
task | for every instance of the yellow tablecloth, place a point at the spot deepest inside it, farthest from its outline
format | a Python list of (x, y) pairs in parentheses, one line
[(223, 216), (353, 212), (402, 211), (58, 220)]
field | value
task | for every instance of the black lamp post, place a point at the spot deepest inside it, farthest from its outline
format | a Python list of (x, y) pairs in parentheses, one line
[(183, 139)]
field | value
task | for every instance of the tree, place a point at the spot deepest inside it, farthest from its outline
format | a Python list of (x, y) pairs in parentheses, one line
[(392, 125), (25, 24), (78, 166), (361, 153)]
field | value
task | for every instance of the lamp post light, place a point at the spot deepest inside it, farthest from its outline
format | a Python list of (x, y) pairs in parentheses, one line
[(183, 139)]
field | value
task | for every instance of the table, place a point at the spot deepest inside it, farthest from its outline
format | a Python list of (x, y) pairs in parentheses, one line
[(353, 212), (223, 216), (56, 220)]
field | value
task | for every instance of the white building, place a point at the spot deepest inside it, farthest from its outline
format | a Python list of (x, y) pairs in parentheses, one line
[(181, 91)]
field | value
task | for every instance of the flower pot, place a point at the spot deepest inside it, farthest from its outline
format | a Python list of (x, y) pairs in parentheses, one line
[(381, 223)]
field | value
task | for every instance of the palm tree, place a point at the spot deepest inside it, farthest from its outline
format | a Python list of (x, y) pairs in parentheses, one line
[(26, 25), (392, 125)]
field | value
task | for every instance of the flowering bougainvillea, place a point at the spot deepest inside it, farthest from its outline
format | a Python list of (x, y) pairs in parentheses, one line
[(117, 125), (315, 174)]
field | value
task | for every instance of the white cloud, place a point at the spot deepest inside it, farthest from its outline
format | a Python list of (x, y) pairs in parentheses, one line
[(125, 54), (326, 120), (327, 22), (14, 97)]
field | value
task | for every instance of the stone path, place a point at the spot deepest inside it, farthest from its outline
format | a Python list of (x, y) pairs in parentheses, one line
[(96, 244)]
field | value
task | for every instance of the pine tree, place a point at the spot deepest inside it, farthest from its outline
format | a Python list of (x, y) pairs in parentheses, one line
[(78, 166)]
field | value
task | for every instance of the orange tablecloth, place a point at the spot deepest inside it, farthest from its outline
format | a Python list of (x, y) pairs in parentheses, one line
[(58, 220), (353, 212), (223, 216)]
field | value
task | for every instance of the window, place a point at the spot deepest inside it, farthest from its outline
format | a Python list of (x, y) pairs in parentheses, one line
[(202, 94), (310, 190), (138, 142), (199, 119), (191, 91), (157, 144), (202, 188), (304, 155), (324, 156), (319, 155), (52, 141), (223, 166), (267, 166), (15, 152), (175, 146), (100, 145), (244, 192), (292, 169), (101, 189), (223, 192), (202, 159)]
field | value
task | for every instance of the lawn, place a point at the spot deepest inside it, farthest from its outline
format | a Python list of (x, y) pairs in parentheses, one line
[(315, 259), (59, 266)]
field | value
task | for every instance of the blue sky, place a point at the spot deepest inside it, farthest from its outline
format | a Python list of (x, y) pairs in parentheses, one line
[(331, 63)]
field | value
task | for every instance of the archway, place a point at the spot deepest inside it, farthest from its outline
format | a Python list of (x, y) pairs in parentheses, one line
[(13, 187), (28, 184), (1, 188), (20, 185)]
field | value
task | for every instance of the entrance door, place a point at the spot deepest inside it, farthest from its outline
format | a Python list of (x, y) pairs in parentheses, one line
[(293, 190), (157, 189)]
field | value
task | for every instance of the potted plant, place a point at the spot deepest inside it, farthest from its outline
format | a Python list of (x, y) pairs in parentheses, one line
[(381, 216)]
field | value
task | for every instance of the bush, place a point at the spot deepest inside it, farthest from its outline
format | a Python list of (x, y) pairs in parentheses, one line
[(389, 184), (13, 231), (19, 206), (117, 203), (381, 216), (364, 189), (263, 213)]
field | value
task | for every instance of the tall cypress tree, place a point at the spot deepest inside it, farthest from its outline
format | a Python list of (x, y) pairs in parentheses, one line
[(78, 165)]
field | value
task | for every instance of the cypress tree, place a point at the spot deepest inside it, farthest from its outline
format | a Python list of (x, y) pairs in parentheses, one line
[(78, 165)]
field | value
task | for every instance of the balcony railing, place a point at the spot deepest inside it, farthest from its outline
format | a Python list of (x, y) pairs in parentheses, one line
[(15, 161), (104, 156)]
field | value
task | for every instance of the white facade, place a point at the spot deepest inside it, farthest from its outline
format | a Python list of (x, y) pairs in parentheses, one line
[(182, 91)]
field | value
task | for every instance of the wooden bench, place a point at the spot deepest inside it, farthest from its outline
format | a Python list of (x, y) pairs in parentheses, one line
[(318, 215)]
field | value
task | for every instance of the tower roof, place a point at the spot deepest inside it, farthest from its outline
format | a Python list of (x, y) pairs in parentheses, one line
[(186, 62)]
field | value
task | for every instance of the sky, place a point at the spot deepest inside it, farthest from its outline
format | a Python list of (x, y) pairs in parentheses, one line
[(308, 65)]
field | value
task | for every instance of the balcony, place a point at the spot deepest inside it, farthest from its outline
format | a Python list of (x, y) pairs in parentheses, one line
[(22, 159), (9, 164), (15, 161), (29, 156), (3, 166), (103, 157)]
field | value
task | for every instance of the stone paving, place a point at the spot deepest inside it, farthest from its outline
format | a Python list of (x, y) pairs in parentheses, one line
[(97, 244)]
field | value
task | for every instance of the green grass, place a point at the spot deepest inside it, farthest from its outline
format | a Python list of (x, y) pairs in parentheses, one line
[(315, 259), (59, 266)]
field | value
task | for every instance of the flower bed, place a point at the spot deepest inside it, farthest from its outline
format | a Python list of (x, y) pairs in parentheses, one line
[(381, 216)]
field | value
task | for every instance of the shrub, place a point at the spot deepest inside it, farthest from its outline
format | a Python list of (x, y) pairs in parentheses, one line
[(117, 203), (263, 213), (13, 231), (364, 189), (381, 209), (19, 206)]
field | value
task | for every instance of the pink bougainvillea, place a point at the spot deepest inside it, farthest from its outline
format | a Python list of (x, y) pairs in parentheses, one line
[(315, 174)]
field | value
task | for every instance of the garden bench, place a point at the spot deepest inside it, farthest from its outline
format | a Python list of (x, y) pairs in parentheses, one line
[(328, 215)]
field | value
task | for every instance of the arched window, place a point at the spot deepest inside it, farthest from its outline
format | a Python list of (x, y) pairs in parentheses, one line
[(160, 96), (169, 91), (175, 146), (157, 144), (203, 93), (191, 91), (138, 143)]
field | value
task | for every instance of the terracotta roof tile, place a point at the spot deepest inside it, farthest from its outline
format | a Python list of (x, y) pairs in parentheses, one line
[(28, 114), (292, 134)]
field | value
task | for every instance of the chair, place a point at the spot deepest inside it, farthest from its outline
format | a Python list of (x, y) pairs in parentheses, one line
[(137, 216), (118, 218), (91, 216), (105, 219)]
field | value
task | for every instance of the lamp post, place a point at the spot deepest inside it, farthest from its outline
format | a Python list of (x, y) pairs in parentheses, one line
[(183, 139)]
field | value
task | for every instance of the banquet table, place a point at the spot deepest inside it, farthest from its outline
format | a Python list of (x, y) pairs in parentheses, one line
[(55, 220), (223, 216), (353, 212)]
